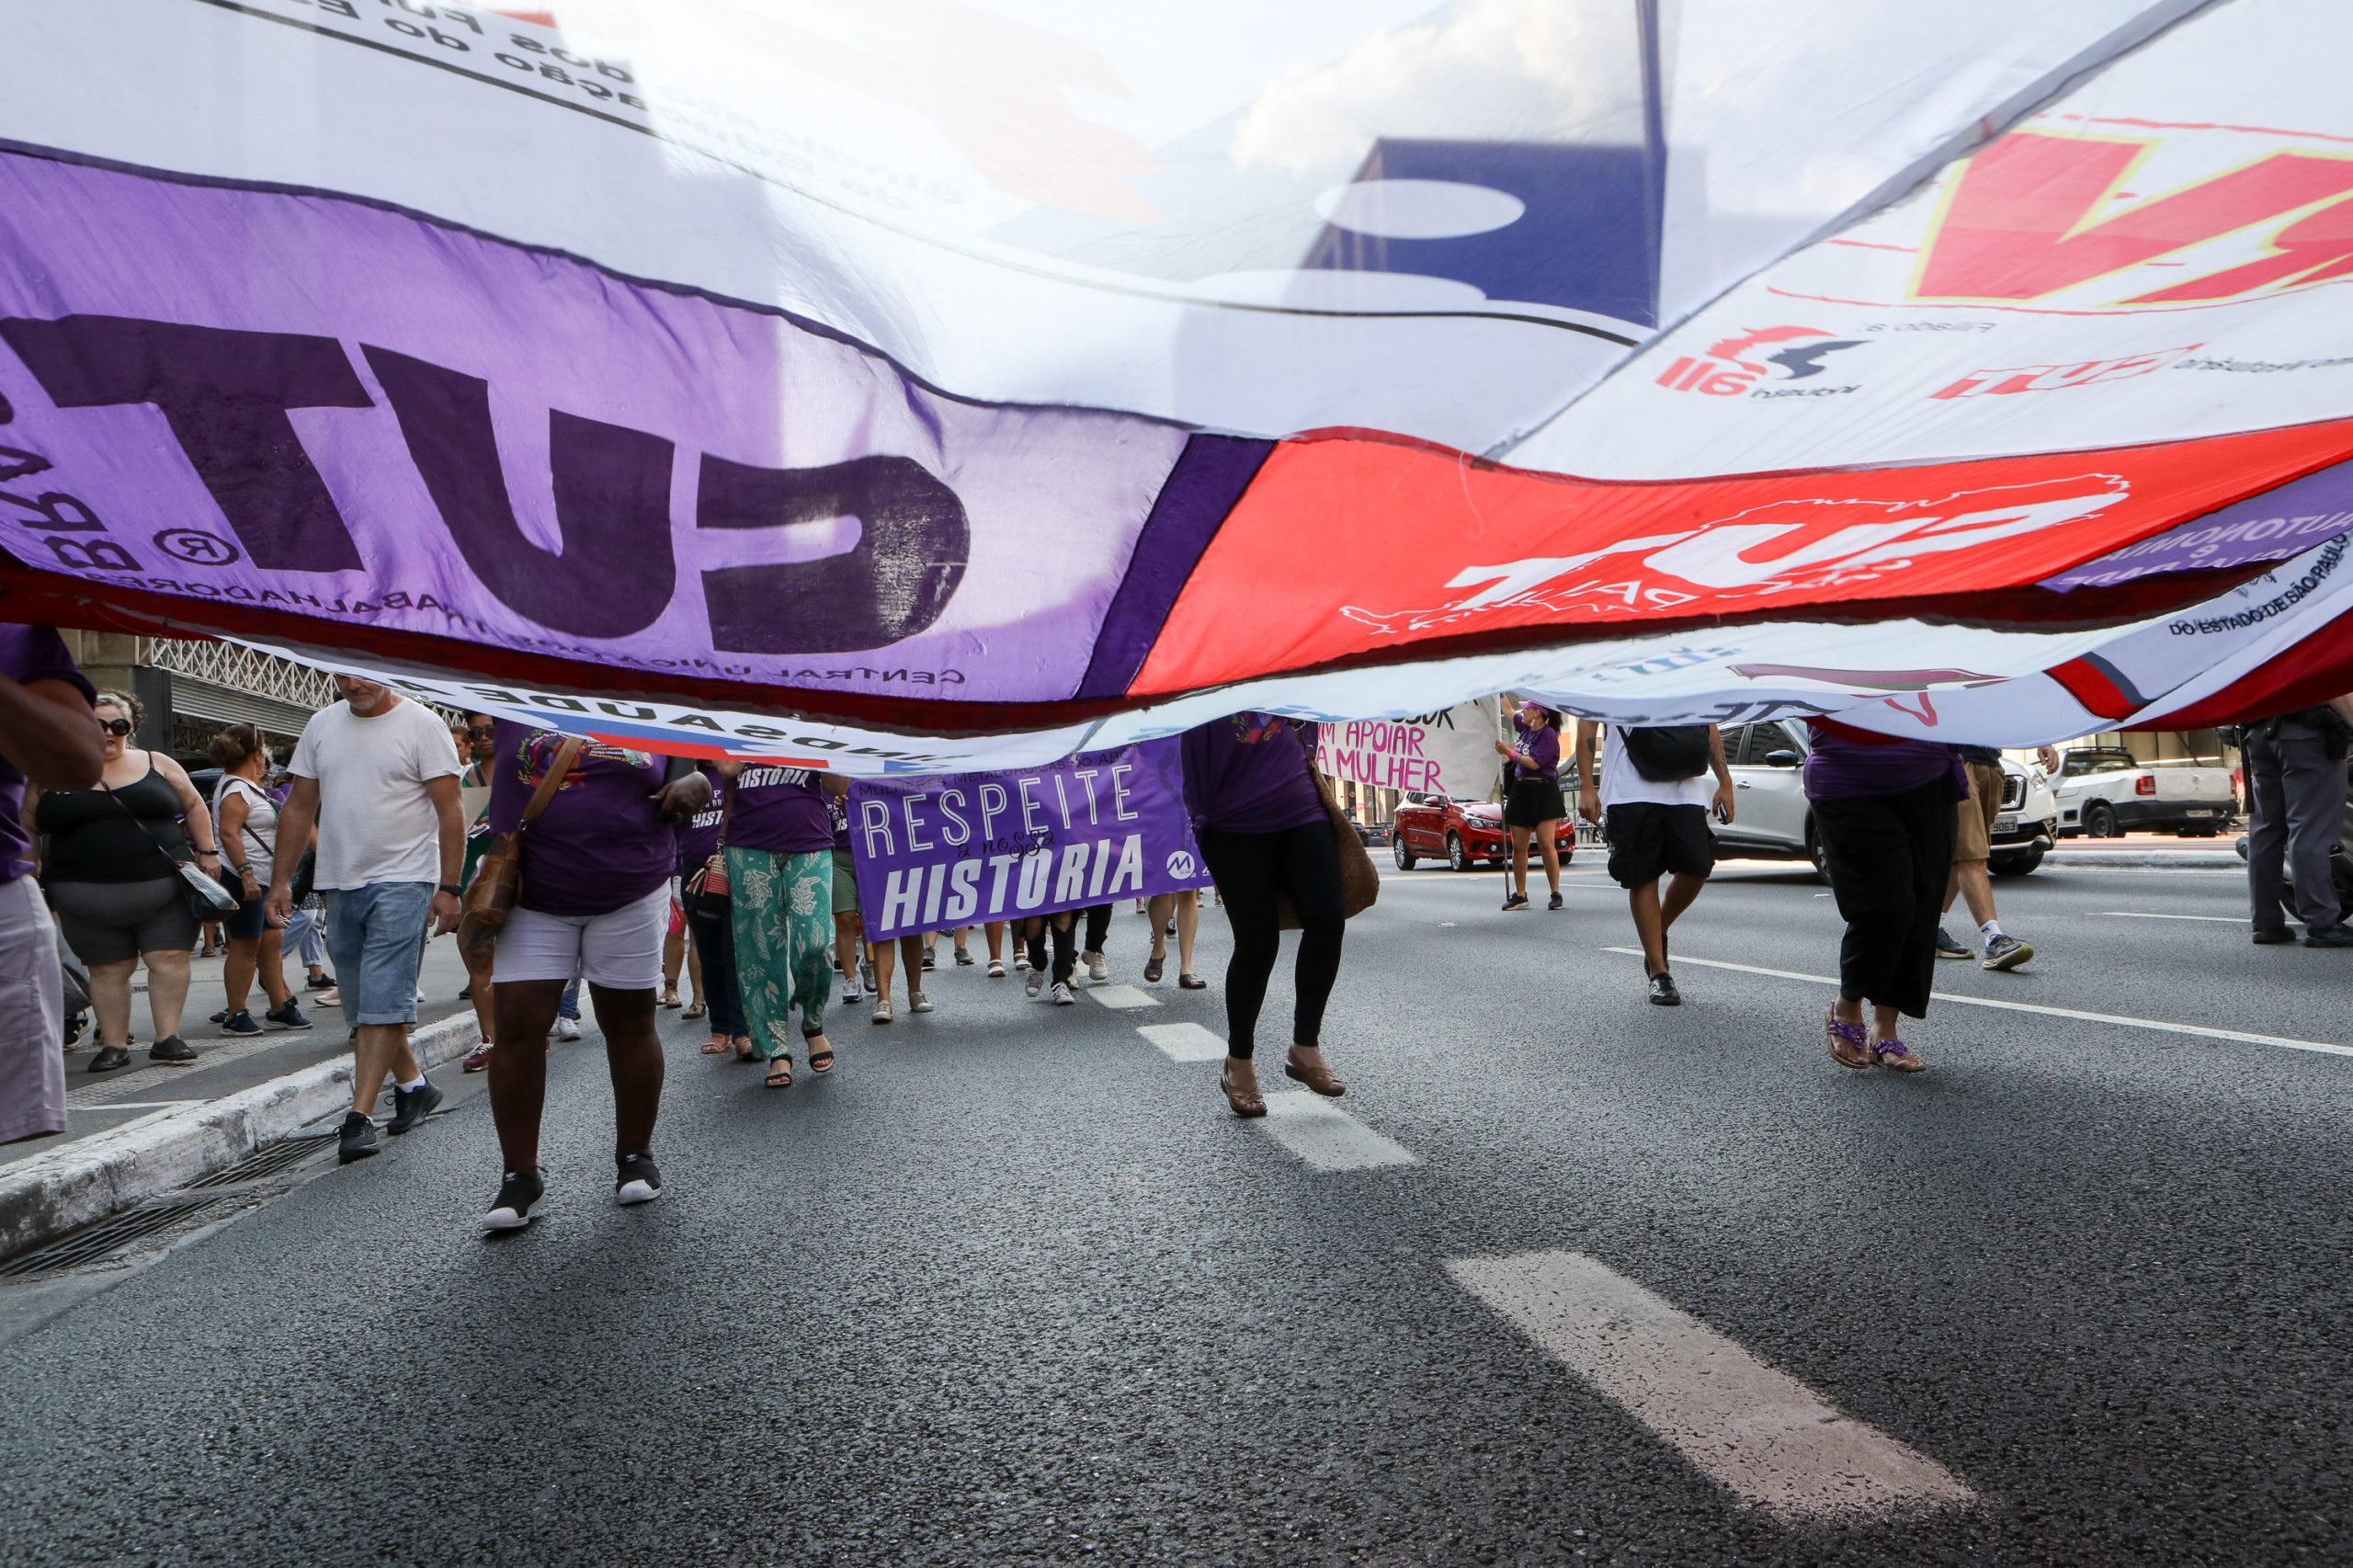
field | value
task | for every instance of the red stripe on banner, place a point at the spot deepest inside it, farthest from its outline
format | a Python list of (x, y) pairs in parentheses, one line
[(2089, 684), (2319, 668), (1353, 548)]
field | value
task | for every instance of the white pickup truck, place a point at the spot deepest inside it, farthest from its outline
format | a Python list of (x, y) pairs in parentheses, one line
[(2105, 792)]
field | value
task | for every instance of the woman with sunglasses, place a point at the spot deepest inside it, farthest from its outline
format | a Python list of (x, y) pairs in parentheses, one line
[(245, 822), (110, 879)]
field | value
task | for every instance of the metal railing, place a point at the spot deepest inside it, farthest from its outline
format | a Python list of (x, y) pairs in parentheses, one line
[(246, 669)]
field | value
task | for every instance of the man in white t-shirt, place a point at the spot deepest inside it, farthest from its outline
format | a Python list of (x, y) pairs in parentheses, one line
[(378, 774), (1651, 798)]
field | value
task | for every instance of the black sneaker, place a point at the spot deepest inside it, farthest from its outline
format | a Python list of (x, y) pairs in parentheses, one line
[(319, 983), (110, 1058), (2274, 937), (1553, 902), (411, 1106), (1949, 949), (1515, 901), (239, 1022), (357, 1140), (173, 1049), (221, 1016), (2337, 936), (1662, 990), (287, 1016), (517, 1196), (634, 1180), (2005, 952)]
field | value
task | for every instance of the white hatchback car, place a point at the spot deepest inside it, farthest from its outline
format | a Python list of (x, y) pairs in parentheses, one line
[(1772, 820)]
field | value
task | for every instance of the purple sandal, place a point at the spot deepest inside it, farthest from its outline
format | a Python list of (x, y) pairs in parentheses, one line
[(1846, 1046), (1894, 1055)]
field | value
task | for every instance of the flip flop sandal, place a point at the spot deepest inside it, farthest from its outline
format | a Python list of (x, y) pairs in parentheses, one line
[(822, 1062), (696, 1011), (1847, 1046), (779, 1072), (1896, 1057), (670, 997)]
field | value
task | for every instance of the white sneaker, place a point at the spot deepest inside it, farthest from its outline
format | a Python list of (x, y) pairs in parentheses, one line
[(1064, 995), (567, 1028), (883, 1009), (1098, 970), (852, 996), (1036, 983), (918, 1003)]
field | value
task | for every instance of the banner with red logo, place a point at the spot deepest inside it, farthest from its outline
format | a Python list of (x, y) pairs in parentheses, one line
[(907, 385)]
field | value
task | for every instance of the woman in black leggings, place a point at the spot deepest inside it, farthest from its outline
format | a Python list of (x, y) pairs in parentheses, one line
[(1264, 833)]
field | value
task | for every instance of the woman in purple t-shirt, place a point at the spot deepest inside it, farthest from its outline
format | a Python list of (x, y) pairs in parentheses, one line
[(595, 901), (1264, 833), (1532, 806), (1883, 811), (780, 875)]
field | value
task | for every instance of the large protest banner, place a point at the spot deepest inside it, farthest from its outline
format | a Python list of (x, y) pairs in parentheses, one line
[(964, 848), (1451, 751)]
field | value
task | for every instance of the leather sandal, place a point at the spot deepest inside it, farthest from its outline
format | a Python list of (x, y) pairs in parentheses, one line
[(1895, 1056), (1846, 1046), (1245, 1106), (1319, 1079), (820, 1052), (779, 1073)]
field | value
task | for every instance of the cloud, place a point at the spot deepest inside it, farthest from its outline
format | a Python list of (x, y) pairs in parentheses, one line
[(1493, 70)]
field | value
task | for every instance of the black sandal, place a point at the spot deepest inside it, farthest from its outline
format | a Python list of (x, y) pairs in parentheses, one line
[(820, 1062), (781, 1073)]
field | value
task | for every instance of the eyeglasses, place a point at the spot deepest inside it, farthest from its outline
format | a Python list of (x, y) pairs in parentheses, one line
[(116, 727), (484, 734)]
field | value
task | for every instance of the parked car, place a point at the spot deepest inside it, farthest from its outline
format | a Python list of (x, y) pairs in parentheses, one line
[(1461, 833), (1772, 820), (2106, 792), (1373, 833)]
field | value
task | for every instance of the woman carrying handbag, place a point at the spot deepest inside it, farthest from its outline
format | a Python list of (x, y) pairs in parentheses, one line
[(1273, 839)]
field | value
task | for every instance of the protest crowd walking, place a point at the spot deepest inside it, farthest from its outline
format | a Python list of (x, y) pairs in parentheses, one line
[(575, 872)]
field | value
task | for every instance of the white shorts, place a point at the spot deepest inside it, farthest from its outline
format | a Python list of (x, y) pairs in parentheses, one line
[(621, 950)]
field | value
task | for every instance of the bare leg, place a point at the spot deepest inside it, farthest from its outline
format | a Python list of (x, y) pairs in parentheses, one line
[(1886, 1022), (238, 972), (1548, 837), (911, 954), (1681, 889), (1648, 927), (633, 1055), (1189, 925), (885, 957), (674, 959), (1970, 881), (994, 932), (111, 999), (271, 967), (478, 967), (166, 989), (381, 1049), (518, 1079), (1519, 861), (848, 943)]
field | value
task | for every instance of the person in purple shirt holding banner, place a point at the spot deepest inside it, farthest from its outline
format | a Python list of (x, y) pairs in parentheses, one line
[(1883, 808), (1533, 806), (596, 898), (1263, 829), (47, 737), (780, 877), (710, 920)]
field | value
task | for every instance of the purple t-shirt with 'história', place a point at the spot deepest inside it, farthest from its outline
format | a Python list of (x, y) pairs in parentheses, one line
[(1844, 762), (781, 809), (1248, 773), (27, 654), (599, 846)]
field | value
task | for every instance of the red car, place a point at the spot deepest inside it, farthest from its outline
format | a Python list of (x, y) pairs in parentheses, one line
[(1462, 833)]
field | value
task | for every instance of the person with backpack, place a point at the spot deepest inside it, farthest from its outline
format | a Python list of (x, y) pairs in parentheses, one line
[(1651, 798), (2295, 786)]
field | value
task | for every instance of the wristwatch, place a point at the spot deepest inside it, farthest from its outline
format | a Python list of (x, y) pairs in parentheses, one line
[(453, 890)]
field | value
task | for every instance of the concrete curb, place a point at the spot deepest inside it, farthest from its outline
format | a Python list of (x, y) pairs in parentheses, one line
[(45, 1196), (2178, 859)]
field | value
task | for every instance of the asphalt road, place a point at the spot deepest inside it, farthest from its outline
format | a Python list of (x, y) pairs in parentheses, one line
[(1013, 1286)]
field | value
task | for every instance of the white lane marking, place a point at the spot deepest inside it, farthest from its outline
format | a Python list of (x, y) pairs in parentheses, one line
[(1122, 996), (2136, 914), (1327, 1137), (2158, 1024), (1758, 1433), (1184, 1043)]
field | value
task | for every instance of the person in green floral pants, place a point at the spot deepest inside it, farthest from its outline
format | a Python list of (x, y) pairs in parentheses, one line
[(779, 846)]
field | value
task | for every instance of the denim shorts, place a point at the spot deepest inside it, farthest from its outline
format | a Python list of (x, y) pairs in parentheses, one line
[(376, 935)]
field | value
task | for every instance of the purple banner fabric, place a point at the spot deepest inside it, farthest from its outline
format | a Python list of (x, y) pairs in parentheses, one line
[(966, 848), (381, 424), (2274, 525)]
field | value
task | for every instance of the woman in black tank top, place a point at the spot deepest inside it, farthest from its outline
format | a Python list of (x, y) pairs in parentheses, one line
[(108, 869)]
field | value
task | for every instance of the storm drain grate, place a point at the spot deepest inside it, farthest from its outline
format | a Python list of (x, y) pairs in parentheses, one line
[(280, 1156), (109, 1238)]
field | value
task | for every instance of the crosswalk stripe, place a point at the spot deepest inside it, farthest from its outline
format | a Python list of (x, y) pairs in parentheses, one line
[(1184, 1043), (1327, 1137), (1758, 1433), (1122, 996)]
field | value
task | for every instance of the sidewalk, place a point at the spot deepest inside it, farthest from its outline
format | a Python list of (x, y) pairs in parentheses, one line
[(225, 1063), (2148, 849)]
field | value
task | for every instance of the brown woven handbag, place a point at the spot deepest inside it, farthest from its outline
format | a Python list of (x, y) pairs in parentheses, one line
[(498, 879), (1360, 878)]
